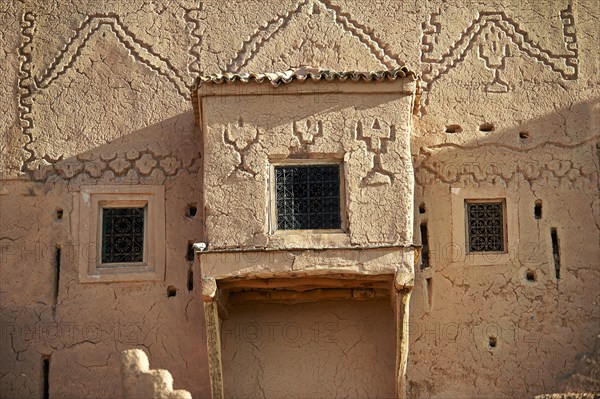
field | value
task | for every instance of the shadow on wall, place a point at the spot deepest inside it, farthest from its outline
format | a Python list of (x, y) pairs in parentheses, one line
[(327, 99), (150, 155), (110, 317), (61, 338), (168, 152), (529, 317), (558, 149)]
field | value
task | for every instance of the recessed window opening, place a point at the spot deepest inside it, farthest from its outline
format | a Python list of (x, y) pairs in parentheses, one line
[(122, 229), (57, 259), (190, 279), (123, 235), (307, 197), (189, 256), (429, 286), (485, 226)]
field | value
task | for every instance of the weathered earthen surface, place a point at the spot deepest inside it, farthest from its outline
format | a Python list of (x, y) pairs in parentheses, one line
[(330, 344), (99, 93), (362, 126), (80, 122)]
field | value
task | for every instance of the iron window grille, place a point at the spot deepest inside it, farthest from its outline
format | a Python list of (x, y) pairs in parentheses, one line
[(485, 226), (307, 197), (123, 235)]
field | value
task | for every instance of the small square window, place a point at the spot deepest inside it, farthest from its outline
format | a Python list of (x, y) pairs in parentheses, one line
[(485, 226), (307, 197), (123, 235)]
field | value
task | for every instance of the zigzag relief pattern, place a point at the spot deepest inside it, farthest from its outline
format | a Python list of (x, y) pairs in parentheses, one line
[(365, 36), (192, 18), (570, 36), (491, 34), (132, 165), (257, 40), (29, 84), (25, 84), (139, 50), (472, 170)]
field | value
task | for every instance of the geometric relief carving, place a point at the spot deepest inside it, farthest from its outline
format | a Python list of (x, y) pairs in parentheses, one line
[(464, 167), (376, 134), (493, 51), (66, 58), (133, 164), (192, 18), (241, 136), (141, 51), (492, 34), (323, 15), (26, 83), (307, 130)]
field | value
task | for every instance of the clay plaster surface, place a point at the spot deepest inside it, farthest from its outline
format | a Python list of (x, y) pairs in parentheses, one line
[(98, 93), (324, 349), (367, 133), (102, 117), (316, 262)]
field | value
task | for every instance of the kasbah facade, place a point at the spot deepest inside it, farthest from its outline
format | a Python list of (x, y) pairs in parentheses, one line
[(204, 182)]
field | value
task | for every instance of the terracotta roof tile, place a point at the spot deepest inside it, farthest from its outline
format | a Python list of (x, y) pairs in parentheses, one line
[(304, 73)]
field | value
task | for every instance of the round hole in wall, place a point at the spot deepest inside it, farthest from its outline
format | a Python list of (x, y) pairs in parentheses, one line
[(171, 291), (492, 342), (523, 135), (453, 129), (421, 208), (486, 127), (192, 210), (59, 213), (530, 275)]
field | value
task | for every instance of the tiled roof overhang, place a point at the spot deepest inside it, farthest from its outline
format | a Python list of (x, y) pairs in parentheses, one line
[(304, 73), (301, 74)]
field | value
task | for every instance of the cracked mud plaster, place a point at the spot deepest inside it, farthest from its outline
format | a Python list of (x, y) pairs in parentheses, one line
[(91, 323), (367, 134), (324, 349), (98, 93)]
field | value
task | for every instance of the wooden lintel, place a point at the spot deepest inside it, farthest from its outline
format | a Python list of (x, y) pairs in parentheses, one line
[(290, 297), (308, 283)]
